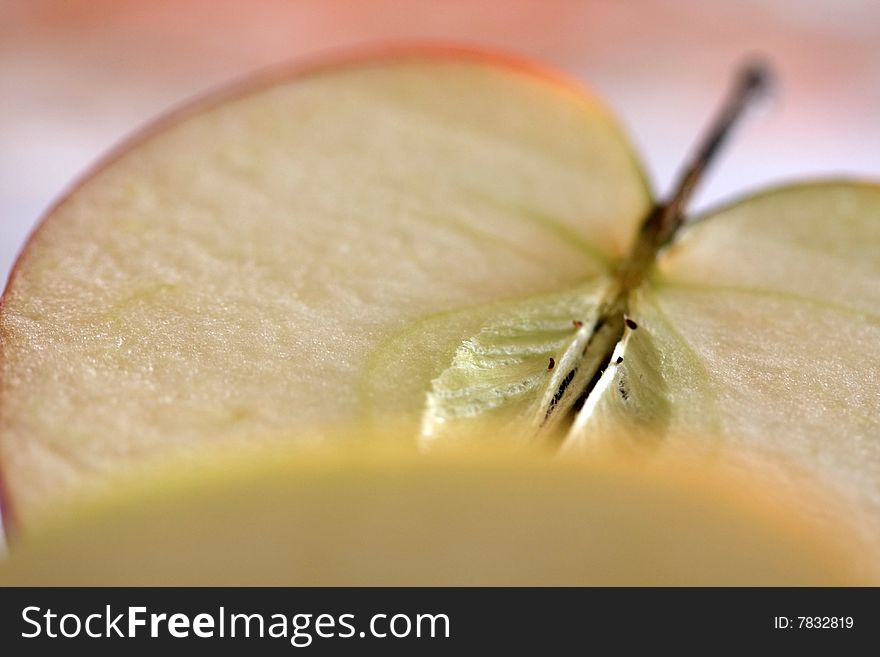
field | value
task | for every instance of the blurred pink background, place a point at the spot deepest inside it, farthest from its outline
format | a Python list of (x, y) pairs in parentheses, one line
[(76, 76)]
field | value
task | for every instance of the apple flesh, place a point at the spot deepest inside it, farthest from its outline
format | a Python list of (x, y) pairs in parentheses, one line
[(385, 516), (758, 331), (253, 269)]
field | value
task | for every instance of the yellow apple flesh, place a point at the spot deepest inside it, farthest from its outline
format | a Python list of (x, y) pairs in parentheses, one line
[(382, 516)]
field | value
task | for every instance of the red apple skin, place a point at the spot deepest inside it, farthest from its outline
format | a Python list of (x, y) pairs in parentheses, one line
[(262, 80)]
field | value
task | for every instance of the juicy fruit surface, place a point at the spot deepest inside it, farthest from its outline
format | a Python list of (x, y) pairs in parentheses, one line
[(477, 518), (759, 331), (235, 275)]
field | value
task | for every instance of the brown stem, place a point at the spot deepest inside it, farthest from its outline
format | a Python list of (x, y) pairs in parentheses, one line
[(752, 81), (661, 226)]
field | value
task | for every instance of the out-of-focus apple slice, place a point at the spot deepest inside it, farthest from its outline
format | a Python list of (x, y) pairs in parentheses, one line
[(379, 517), (239, 271), (758, 331)]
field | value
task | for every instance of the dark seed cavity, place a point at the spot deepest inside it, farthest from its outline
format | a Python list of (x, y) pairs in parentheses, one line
[(560, 392)]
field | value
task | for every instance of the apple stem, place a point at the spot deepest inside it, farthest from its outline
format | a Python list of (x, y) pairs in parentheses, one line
[(752, 81), (657, 230), (665, 220)]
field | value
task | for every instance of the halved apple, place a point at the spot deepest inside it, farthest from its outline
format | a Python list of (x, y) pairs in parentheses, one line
[(437, 240)]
